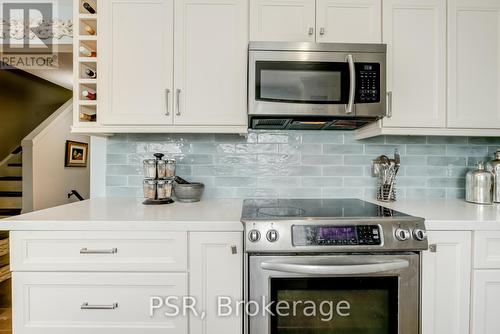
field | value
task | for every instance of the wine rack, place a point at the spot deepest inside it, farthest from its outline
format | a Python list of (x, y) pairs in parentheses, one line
[(85, 63)]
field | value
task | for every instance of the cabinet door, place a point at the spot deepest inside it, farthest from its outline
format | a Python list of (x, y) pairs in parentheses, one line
[(446, 283), (282, 20), (211, 42), (349, 21), (136, 70), (474, 63), (415, 34), (486, 303), (216, 269)]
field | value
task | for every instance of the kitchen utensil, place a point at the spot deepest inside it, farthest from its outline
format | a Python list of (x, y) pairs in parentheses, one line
[(494, 167), (180, 180), (479, 185), (189, 193)]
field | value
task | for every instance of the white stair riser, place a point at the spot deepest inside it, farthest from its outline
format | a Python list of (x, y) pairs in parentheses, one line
[(11, 185), (10, 202)]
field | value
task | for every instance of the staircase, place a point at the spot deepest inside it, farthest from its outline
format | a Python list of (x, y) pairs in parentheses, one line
[(10, 205)]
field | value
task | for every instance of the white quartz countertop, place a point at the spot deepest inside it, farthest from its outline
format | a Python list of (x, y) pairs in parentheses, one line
[(450, 214), (130, 214), (110, 214)]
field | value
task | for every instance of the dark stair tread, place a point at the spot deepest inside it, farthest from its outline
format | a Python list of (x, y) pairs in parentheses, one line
[(11, 178), (18, 150), (10, 212), (11, 194), (15, 164)]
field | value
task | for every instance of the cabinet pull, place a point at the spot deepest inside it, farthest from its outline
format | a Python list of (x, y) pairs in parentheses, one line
[(433, 248), (178, 103), (87, 306), (234, 250), (311, 31), (98, 251), (322, 31), (389, 104), (167, 94)]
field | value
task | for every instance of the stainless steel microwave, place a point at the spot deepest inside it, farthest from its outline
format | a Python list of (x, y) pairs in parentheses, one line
[(315, 86)]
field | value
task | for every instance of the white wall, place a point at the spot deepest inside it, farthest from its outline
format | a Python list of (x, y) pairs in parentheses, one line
[(46, 181)]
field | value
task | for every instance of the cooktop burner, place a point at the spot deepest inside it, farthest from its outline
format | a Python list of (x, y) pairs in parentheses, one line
[(276, 209)]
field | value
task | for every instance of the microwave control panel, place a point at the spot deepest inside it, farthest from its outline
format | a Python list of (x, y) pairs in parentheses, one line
[(327, 235), (367, 83)]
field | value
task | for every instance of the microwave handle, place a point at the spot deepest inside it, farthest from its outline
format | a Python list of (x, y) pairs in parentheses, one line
[(352, 87), (354, 269)]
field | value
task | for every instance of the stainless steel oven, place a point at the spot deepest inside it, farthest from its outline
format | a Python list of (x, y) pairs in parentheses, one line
[(315, 86), (378, 294), (356, 259)]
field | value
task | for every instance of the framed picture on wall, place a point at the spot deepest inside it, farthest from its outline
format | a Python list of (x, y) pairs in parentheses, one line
[(76, 154)]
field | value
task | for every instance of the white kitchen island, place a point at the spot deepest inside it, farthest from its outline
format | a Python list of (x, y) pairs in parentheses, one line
[(114, 251)]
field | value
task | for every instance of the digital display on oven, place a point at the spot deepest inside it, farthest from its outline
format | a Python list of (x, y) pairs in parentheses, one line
[(336, 233)]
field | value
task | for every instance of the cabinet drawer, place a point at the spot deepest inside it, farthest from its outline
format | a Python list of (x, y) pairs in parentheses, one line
[(99, 251), (487, 250), (82, 303)]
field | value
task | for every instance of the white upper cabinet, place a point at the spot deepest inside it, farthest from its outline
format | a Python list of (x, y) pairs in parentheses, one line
[(348, 21), (446, 283), (415, 34), (474, 63), (210, 76), (282, 20), (136, 62)]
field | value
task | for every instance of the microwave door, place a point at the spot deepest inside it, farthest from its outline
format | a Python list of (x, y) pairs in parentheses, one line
[(291, 86)]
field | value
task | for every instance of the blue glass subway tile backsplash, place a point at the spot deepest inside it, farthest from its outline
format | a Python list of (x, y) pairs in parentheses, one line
[(304, 164)]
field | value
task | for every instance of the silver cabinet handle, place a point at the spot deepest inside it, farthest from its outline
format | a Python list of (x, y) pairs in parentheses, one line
[(339, 269), (433, 248), (98, 251), (178, 103), (87, 306), (389, 104), (352, 87), (167, 95), (311, 31), (322, 31)]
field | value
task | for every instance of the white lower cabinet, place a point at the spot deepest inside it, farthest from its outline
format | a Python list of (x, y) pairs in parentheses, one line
[(486, 302), (97, 303), (216, 270), (446, 272)]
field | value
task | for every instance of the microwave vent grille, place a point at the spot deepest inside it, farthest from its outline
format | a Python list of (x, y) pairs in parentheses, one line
[(270, 124)]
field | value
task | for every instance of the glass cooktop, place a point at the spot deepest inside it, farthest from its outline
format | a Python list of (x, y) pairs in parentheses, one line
[(282, 209)]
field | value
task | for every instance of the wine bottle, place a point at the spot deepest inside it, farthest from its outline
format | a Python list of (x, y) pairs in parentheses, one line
[(85, 51), (89, 95), (89, 30), (89, 8), (90, 73)]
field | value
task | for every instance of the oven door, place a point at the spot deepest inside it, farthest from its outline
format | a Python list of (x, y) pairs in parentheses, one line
[(284, 83), (351, 294)]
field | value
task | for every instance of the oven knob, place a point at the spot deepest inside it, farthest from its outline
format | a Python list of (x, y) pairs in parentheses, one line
[(419, 234), (254, 236), (402, 234), (272, 235)]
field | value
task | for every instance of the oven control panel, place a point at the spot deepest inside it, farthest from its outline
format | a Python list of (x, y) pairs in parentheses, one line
[(326, 235), (367, 83)]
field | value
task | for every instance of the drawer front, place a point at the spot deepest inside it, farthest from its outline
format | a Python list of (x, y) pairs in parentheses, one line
[(99, 251), (487, 250), (82, 303)]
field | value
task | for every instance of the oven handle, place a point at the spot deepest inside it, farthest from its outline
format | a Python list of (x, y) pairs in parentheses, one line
[(352, 87), (355, 269)]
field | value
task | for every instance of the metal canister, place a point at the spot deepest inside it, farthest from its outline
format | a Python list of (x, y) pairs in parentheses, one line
[(494, 167), (479, 185)]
